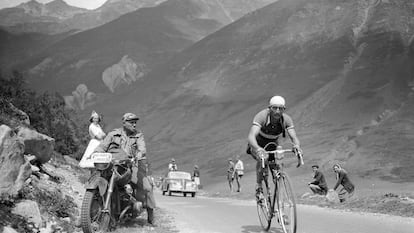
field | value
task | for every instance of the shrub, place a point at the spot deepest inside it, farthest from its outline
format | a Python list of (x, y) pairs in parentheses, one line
[(47, 113)]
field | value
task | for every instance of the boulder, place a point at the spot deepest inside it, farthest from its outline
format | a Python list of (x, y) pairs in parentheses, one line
[(37, 144), (29, 210), (124, 72), (13, 166), (8, 229), (81, 98), (71, 161)]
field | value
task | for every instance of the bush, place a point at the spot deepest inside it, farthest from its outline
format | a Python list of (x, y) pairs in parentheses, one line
[(47, 113)]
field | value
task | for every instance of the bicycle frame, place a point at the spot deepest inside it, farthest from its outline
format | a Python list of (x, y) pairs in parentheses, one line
[(278, 175)]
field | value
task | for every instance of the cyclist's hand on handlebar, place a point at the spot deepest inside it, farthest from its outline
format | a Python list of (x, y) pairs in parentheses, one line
[(296, 149), (300, 160), (261, 153), (299, 153)]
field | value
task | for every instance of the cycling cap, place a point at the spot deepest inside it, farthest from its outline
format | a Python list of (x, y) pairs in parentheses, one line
[(129, 117), (277, 101)]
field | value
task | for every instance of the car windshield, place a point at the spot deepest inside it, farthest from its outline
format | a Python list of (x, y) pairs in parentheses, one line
[(179, 175)]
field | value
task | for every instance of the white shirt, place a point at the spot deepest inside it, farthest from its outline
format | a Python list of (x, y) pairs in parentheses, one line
[(96, 132), (172, 167), (239, 165)]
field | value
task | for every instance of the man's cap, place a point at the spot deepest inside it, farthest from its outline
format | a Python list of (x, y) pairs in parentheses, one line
[(230, 159), (129, 117), (172, 160), (315, 166)]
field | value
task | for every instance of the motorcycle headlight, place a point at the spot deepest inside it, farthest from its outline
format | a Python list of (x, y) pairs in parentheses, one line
[(101, 166), (101, 161)]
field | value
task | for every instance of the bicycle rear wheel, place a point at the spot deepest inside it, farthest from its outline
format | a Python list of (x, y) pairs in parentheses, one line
[(286, 205), (264, 209)]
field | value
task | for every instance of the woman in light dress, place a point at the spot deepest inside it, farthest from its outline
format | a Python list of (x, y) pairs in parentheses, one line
[(97, 135)]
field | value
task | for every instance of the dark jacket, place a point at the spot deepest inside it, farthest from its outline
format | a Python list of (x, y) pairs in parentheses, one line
[(319, 179), (343, 179)]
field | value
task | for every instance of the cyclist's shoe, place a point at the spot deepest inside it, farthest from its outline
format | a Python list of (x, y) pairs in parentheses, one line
[(285, 220), (259, 195)]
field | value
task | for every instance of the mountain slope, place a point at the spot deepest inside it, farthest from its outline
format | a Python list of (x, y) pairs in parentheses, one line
[(342, 65), (147, 37), (14, 47)]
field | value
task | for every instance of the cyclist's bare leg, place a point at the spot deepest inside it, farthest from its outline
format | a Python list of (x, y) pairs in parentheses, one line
[(259, 177)]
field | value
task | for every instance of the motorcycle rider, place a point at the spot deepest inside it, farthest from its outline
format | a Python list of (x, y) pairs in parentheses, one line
[(130, 140)]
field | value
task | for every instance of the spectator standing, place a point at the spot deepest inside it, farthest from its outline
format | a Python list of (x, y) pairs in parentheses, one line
[(346, 187), (230, 173), (196, 176), (172, 166), (97, 135), (318, 185), (238, 172)]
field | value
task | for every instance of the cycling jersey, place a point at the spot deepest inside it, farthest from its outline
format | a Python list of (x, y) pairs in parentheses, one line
[(272, 128)]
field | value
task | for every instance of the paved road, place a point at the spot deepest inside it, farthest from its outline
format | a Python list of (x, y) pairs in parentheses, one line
[(216, 215)]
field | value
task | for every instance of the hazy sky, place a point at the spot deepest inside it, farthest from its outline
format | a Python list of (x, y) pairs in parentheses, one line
[(89, 4)]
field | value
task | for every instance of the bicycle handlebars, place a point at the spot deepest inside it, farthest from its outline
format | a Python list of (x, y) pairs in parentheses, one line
[(279, 154)]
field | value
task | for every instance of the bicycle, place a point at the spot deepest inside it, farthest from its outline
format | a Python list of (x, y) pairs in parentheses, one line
[(282, 202)]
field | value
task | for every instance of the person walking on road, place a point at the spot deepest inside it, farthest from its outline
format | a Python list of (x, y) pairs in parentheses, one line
[(230, 174), (347, 188), (172, 166), (238, 172), (196, 176), (318, 185)]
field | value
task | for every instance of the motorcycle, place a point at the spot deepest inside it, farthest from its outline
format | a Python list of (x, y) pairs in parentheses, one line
[(109, 199)]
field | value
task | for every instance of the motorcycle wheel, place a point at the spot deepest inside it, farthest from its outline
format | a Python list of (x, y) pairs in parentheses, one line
[(92, 218)]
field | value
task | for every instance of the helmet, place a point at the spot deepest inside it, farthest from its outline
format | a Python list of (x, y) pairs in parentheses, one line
[(277, 101)]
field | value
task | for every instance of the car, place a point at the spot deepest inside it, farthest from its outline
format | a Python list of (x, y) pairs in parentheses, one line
[(179, 182)]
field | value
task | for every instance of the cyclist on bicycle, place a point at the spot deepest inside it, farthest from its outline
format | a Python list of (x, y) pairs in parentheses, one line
[(268, 126)]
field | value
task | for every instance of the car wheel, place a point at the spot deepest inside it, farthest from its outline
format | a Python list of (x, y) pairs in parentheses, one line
[(169, 193), (163, 192), (192, 194), (185, 194)]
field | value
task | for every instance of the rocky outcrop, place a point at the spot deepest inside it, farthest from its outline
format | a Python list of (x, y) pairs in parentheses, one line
[(13, 166), (124, 72), (30, 210), (36, 144), (12, 116), (80, 98)]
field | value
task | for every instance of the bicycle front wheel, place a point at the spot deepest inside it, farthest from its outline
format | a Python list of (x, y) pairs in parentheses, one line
[(286, 205), (264, 210)]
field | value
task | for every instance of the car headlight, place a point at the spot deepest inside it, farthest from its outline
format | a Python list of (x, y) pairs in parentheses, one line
[(191, 185), (175, 183)]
